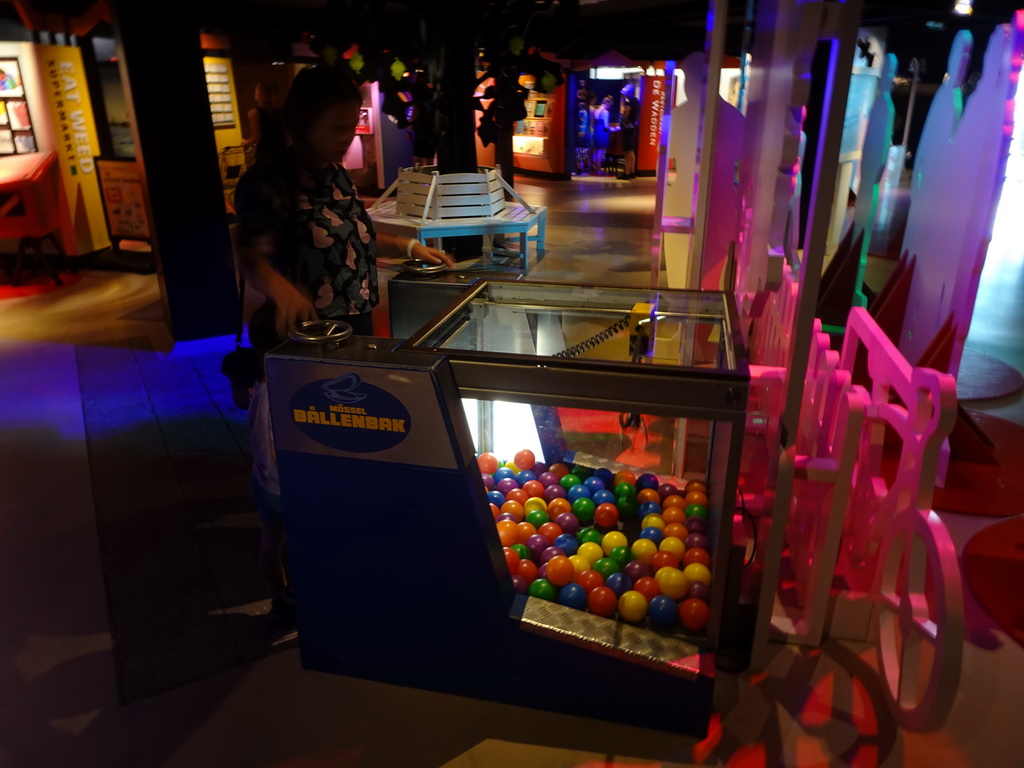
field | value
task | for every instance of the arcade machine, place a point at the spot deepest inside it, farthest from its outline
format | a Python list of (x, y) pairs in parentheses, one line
[(600, 578)]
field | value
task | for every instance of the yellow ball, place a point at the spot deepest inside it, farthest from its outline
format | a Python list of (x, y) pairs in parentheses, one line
[(672, 582), (697, 572), (535, 503), (632, 606), (674, 545), (613, 539), (645, 550), (511, 465), (653, 520), (580, 563), (591, 551)]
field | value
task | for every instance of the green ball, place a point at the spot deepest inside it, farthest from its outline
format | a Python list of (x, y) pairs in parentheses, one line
[(627, 506), (622, 555), (584, 508), (589, 534), (568, 481), (543, 589), (696, 510), (537, 518), (523, 551), (625, 489), (582, 472), (606, 566)]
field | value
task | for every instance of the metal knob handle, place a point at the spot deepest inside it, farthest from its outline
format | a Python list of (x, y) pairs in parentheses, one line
[(320, 332)]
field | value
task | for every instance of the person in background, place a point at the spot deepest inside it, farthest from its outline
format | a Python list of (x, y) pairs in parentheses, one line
[(266, 129), (584, 129), (602, 127), (629, 115)]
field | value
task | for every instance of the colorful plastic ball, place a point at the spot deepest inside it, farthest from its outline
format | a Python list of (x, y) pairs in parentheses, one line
[(547, 478), (584, 509), (528, 570), (673, 545), (664, 560), (542, 571), (606, 515), (647, 586), (488, 481), (699, 590), (612, 540), (522, 550), (578, 492), (696, 510), (594, 484), (602, 601), (511, 559), (568, 481), (494, 510), (543, 589), (693, 614), (645, 495), (534, 489), (567, 543), (507, 533), (502, 516), (618, 583), (696, 540), (589, 534), (605, 475), (696, 497), (496, 497), (653, 520), (581, 471), (557, 506), (525, 530), (525, 476), (636, 570), (650, 508), (590, 579), (676, 530), (506, 484), (624, 476), (653, 533), (553, 492), (534, 503), (697, 525), (591, 551), (512, 465), (622, 555), (627, 506), (560, 571), (673, 515), (696, 485), (487, 462), (539, 468), (504, 473), (550, 531), (647, 480), (579, 564), (645, 550), (525, 459), (520, 584), (672, 582), (698, 572), (573, 596), (568, 522), (550, 553), (697, 555), (537, 544), (667, 489), (673, 500), (536, 518), (603, 497), (606, 567), (513, 508), (663, 610), (632, 606), (517, 494), (624, 489)]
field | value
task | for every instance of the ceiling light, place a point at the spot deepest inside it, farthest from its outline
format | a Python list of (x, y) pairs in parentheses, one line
[(963, 7)]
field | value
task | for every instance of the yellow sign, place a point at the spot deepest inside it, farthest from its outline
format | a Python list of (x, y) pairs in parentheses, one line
[(83, 228)]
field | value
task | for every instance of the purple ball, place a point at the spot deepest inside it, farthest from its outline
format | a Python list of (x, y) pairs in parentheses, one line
[(506, 485), (539, 468), (700, 590), (568, 522), (542, 572), (520, 584), (647, 480), (636, 570), (550, 552), (696, 525), (488, 481), (666, 489), (553, 492), (547, 478), (537, 544), (506, 516), (696, 540)]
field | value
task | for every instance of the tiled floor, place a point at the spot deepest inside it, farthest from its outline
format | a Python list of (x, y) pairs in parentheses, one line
[(59, 696)]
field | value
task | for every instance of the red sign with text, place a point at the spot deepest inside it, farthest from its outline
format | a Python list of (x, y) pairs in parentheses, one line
[(652, 108)]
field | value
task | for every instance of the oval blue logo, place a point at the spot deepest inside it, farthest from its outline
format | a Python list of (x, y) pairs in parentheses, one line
[(349, 414)]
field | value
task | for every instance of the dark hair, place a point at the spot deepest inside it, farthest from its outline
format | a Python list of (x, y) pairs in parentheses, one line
[(314, 90)]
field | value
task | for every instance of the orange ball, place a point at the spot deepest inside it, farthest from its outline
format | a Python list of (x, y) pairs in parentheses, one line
[(507, 533), (533, 488), (558, 469), (524, 531), (624, 476), (648, 494), (512, 560), (673, 500), (696, 485), (696, 497), (513, 508), (560, 571), (528, 570), (558, 506), (696, 555), (487, 462), (590, 579), (693, 614), (495, 511), (550, 531), (676, 529), (517, 494), (673, 515), (606, 515), (663, 559)]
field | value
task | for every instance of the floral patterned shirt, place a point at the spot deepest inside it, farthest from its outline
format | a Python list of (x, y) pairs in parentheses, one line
[(323, 238)]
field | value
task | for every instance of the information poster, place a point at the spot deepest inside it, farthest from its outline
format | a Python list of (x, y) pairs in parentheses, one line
[(16, 133), (123, 197), (220, 89), (652, 110)]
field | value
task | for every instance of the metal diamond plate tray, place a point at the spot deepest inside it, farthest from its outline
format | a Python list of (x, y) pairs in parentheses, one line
[(616, 638)]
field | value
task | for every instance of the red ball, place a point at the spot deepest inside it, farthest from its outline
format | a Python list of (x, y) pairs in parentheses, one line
[(487, 462), (696, 555), (648, 587), (524, 459), (693, 614), (528, 570), (550, 531), (517, 494), (602, 601), (512, 559), (664, 558), (559, 470), (495, 511), (590, 580), (533, 489), (606, 515)]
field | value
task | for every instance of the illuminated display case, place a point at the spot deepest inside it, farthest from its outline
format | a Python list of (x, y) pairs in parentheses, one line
[(397, 553)]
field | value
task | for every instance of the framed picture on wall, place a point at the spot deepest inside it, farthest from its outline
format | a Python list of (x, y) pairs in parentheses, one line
[(10, 79), (6, 143)]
